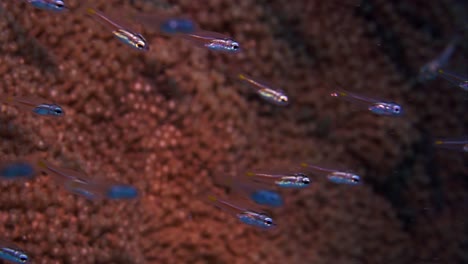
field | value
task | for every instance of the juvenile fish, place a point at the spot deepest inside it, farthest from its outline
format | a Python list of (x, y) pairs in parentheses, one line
[(258, 194), (10, 252), (336, 176), (50, 5), (93, 189), (453, 144), (429, 70), (16, 170), (293, 180), (246, 216), (373, 105), (212, 41), (455, 79), (134, 40), (165, 24), (266, 92), (35, 105)]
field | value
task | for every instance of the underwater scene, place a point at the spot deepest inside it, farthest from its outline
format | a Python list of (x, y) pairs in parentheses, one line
[(219, 131)]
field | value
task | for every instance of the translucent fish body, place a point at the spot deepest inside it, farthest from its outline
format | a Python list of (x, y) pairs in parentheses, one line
[(255, 219), (429, 70), (50, 5), (126, 36), (245, 216), (134, 40), (10, 252), (257, 193), (165, 24), (335, 176), (293, 180), (122, 192), (93, 189), (36, 106), (16, 170), (344, 178), (455, 79), (212, 41), (267, 198), (48, 110), (178, 26), (453, 144), (266, 92), (373, 105)]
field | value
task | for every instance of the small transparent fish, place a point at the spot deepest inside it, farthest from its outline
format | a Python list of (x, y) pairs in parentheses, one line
[(246, 216), (373, 105), (335, 176), (10, 252), (16, 170), (256, 193), (134, 40), (293, 180), (50, 5), (267, 198), (35, 105), (453, 144), (268, 93), (79, 183), (455, 79), (212, 41), (429, 70), (165, 24)]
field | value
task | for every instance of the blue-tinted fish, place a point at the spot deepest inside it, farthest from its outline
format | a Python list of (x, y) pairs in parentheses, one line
[(267, 198), (267, 92), (166, 24), (126, 36), (10, 252), (246, 216), (336, 176), (36, 105), (453, 144), (455, 79), (373, 105), (287, 180), (429, 70), (257, 193), (16, 170), (93, 189), (212, 41), (50, 5)]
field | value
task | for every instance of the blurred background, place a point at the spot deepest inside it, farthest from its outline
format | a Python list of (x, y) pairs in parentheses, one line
[(173, 122)]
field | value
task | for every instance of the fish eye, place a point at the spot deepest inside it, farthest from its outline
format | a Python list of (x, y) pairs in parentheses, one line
[(268, 221), (355, 179), (23, 258), (283, 99), (59, 4), (396, 109), (235, 46), (305, 180)]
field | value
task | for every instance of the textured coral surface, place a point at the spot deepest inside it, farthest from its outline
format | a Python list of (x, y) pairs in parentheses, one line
[(171, 121)]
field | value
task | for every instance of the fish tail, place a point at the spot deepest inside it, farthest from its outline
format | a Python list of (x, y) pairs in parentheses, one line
[(212, 198), (249, 174), (91, 11), (8, 100), (41, 164)]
